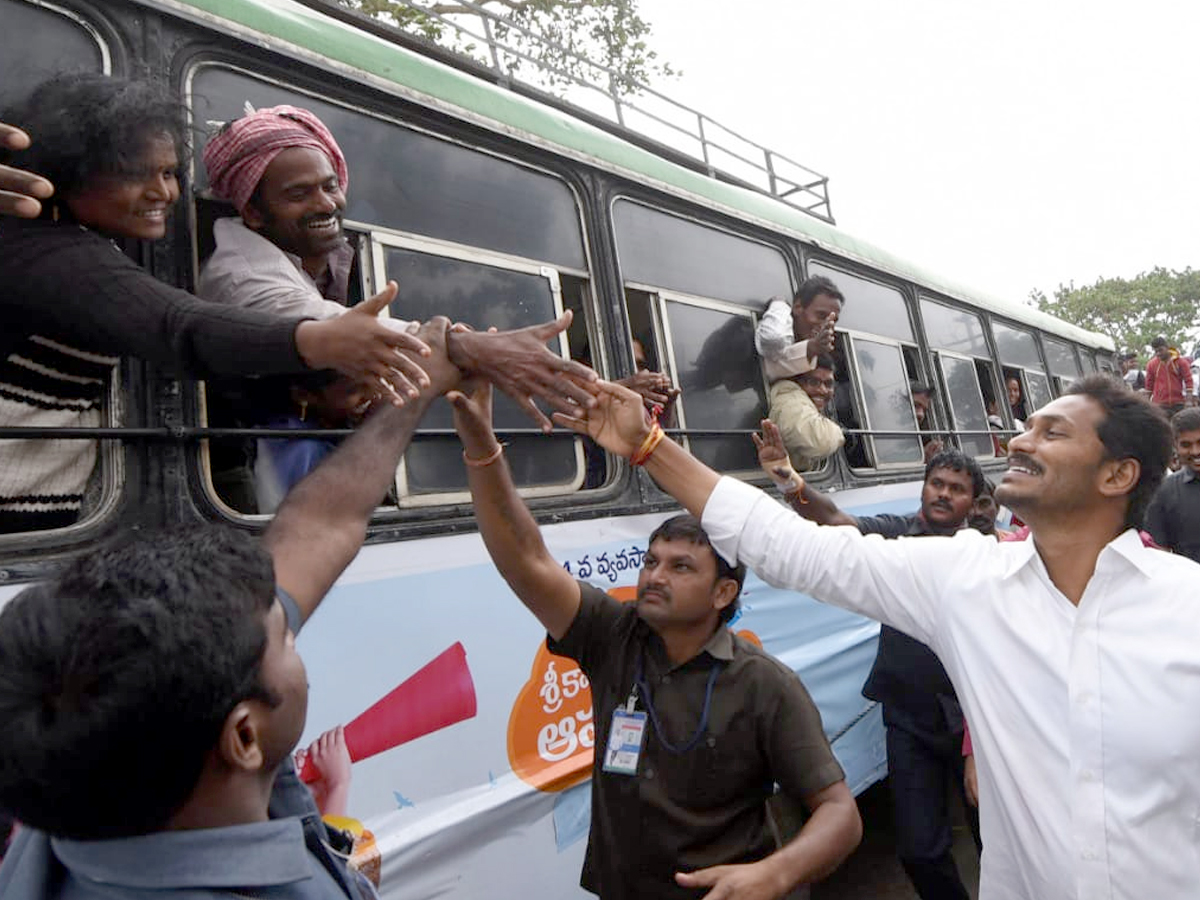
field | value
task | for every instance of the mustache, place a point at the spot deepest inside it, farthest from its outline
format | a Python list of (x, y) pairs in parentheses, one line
[(658, 591)]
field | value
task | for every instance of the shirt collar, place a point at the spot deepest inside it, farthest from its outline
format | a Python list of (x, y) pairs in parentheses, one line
[(1189, 474), (1128, 545), (254, 855), (718, 646)]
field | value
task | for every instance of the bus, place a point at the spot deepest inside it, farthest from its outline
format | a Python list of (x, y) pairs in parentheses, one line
[(495, 207)]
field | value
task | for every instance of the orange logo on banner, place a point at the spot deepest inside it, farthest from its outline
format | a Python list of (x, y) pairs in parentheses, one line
[(551, 734)]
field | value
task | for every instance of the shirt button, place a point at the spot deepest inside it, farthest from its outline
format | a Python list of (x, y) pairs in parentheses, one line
[(1088, 855), (1087, 775), (649, 774)]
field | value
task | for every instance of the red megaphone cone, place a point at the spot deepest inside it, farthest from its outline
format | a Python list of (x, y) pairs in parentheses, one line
[(435, 697)]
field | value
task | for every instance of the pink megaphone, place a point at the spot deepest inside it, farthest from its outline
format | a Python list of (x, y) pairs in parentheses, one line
[(435, 697)]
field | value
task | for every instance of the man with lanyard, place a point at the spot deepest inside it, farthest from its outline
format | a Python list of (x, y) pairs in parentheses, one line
[(920, 709), (169, 666), (694, 725), (1075, 654)]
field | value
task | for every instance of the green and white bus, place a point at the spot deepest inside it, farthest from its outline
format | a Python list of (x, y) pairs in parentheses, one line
[(497, 207)]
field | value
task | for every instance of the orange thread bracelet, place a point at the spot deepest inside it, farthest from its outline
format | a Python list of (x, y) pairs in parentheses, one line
[(649, 445), (486, 461)]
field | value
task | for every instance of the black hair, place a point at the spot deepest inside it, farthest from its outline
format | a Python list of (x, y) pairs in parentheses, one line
[(117, 677), (1133, 428), (989, 488), (956, 461), (823, 361), (1186, 420), (83, 125), (1159, 341), (811, 288), (919, 387), (686, 527)]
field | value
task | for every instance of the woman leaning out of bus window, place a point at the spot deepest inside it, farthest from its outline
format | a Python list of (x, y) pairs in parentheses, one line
[(72, 303)]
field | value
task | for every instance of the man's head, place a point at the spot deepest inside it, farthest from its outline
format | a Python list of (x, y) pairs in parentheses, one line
[(1161, 348), (952, 482), (819, 382), (112, 148), (639, 356), (1098, 445), (1186, 426), (287, 177), (138, 671), (922, 401), (683, 580), (984, 509), (1128, 361), (817, 299)]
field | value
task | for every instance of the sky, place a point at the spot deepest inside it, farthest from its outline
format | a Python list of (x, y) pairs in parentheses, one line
[(1010, 146)]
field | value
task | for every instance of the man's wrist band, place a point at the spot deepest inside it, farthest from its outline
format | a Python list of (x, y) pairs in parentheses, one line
[(485, 461), (649, 445)]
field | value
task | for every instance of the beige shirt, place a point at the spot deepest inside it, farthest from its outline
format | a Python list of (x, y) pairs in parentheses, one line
[(810, 436)]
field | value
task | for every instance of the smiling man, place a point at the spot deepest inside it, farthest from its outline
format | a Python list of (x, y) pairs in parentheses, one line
[(920, 709), (1174, 516), (694, 725), (798, 407), (1076, 654)]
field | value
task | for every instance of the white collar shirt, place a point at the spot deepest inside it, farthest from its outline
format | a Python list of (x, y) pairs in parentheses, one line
[(1085, 720)]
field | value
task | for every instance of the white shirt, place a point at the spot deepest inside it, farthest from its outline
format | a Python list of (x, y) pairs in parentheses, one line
[(1085, 720), (783, 356)]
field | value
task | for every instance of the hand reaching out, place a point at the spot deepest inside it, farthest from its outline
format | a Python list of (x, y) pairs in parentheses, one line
[(617, 421), (20, 191), (821, 341), (773, 457)]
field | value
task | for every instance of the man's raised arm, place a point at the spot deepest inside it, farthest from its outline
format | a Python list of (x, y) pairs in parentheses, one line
[(807, 501), (507, 528), (322, 522)]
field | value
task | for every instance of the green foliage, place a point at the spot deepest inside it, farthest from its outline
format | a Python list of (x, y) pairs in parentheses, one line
[(609, 33), (1133, 311)]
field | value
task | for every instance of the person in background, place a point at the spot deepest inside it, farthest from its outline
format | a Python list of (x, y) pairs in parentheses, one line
[(922, 401), (694, 725), (790, 336), (799, 410), (1016, 401), (920, 708), (1169, 378), (1132, 372), (1173, 519)]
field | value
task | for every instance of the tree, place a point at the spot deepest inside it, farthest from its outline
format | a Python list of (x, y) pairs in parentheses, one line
[(1133, 311), (560, 37)]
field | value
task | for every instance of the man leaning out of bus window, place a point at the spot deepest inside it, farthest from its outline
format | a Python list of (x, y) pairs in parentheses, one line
[(694, 725), (285, 174), (798, 407), (151, 696), (790, 336)]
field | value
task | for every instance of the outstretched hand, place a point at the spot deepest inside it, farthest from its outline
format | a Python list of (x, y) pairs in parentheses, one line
[(617, 421), (363, 347), (748, 881), (773, 456), (521, 365), (821, 341), (472, 407), (20, 191)]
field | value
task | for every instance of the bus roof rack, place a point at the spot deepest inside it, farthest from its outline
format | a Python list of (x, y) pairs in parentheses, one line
[(640, 115)]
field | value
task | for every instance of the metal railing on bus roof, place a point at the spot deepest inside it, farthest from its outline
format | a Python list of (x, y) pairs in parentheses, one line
[(722, 153)]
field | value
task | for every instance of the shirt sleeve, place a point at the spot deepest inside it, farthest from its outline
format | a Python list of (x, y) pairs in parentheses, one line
[(808, 435), (594, 628), (774, 332), (892, 581), (1151, 374), (798, 753), (76, 287), (266, 291), (291, 610)]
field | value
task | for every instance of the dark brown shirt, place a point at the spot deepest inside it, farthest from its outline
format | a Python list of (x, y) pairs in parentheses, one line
[(704, 806)]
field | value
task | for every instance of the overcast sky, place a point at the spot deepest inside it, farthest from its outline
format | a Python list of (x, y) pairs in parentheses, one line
[(1009, 145)]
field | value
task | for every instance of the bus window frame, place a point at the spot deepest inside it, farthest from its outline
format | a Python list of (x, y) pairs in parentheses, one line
[(859, 399), (375, 244), (936, 357)]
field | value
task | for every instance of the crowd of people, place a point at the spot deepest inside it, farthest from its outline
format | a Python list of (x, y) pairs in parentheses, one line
[(168, 661)]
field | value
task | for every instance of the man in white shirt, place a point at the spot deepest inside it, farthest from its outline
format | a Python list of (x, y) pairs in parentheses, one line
[(790, 336), (1076, 654)]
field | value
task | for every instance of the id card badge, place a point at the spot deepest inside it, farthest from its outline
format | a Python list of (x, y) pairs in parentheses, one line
[(625, 740)]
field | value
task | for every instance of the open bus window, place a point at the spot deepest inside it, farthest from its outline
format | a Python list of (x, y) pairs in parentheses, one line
[(480, 291), (882, 382), (961, 353)]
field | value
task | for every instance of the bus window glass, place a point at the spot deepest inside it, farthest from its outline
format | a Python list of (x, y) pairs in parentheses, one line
[(714, 362), (37, 43), (481, 296), (665, 251), (1089, 361), (1061, 358), (869, 307), (408, 181), (1016, 347), (955, 330), (1039, 390), (964, 399), (883, 385)]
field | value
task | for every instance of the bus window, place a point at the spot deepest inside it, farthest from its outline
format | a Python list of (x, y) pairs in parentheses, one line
[(38, 43), (693, 290), (1025, 380), (957, 339), (482, 292), (1039, 390), (1064, 367), (870, 307), (882, 383)]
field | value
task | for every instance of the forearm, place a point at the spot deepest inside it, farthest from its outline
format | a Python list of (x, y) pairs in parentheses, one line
[(323, 520), (682, 476), (818, 507), (827, 838)]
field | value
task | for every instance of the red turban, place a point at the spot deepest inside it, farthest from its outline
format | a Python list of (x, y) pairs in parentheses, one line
[(237, 156)]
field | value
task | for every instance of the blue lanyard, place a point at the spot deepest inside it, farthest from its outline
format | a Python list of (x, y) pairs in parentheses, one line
[(640, 681)]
